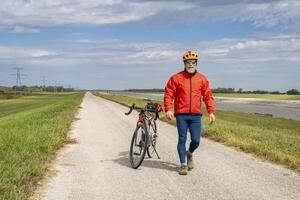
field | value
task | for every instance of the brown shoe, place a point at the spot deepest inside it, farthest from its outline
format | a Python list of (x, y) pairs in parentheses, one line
[(190, 162), (183, 170)]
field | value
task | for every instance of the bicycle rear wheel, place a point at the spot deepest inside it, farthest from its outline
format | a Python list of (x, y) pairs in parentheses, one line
[(138, 146), (153, 138)]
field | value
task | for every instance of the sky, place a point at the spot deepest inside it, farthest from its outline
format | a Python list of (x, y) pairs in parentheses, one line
[(122, 44)]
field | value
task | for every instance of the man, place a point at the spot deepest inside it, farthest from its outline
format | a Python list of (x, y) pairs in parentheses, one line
[(186, 89)]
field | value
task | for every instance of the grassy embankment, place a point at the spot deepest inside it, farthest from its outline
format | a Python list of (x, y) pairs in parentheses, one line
[(243, 95), (260, 96), (32, 129), (273, 139)]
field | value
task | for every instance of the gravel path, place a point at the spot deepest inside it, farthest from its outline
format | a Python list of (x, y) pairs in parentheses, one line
[(98, 166)]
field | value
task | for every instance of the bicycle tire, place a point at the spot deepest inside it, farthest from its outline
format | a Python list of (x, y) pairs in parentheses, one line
[(153, 142), (138, 139)]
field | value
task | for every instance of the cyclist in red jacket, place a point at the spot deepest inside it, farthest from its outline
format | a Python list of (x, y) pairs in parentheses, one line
[(186, 89)]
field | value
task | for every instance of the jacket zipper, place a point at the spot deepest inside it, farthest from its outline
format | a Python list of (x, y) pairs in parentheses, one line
[(190, 94)]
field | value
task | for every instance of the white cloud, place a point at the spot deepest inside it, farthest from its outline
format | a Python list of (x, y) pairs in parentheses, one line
[(259, 13), (15, 53), (86, 52), (21, 29), (251, 50), (115, 51), (227, 51), (75, 12), (35, 13)]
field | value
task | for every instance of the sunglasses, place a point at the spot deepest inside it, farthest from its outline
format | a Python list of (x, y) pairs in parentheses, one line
[(191, 62)]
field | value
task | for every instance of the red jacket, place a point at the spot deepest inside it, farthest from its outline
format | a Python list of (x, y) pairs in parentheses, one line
[(186, 91)]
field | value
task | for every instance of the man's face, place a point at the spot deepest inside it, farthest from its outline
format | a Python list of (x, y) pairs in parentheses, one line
[(190, 66)]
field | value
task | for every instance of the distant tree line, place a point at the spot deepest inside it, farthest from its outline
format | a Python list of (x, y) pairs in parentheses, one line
[(224, 90), (293, 91), (42, 89), (232, 90)]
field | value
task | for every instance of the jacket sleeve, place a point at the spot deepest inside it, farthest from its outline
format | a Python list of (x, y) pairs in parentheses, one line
[(208, 97), (170, 90)]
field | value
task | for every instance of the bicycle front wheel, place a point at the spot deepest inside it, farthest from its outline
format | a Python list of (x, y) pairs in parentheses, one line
[(138, 146)]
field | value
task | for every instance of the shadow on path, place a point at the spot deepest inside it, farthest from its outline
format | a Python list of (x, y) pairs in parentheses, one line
[(148, 162)]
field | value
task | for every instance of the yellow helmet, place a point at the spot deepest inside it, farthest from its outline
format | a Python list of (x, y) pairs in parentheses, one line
[(190, 55)]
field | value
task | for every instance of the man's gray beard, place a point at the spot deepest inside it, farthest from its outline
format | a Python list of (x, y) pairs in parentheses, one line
[(191, 71)]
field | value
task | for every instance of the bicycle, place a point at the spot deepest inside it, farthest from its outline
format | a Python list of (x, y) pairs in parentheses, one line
[(145, 135)]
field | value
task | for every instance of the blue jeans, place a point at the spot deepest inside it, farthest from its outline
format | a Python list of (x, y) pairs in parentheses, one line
[(185, 122)]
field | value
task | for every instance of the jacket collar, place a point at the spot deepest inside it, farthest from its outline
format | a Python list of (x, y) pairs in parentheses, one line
[(189, 74)]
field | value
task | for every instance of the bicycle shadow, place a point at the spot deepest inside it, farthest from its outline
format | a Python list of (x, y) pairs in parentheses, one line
[(148, 162)]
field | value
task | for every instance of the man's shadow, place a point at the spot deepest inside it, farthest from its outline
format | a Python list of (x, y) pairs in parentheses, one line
[(147, 162)]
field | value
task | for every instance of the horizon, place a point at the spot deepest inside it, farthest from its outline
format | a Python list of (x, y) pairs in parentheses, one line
[(78, 89)]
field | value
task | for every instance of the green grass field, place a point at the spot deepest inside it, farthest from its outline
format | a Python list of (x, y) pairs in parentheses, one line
[(260, 96), (32, 129), (273, 139)]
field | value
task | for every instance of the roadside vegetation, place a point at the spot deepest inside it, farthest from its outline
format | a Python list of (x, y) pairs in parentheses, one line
[(32, 129), (273, 139)]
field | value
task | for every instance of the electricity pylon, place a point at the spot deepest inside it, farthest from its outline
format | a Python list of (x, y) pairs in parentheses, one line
[(18, 79), (44, 83)]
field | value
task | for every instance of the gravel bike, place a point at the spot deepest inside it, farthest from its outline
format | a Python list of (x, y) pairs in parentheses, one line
[(145, 135)]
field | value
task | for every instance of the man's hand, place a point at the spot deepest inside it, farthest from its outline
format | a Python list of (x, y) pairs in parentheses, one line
[(169, 115), (212, 118)]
